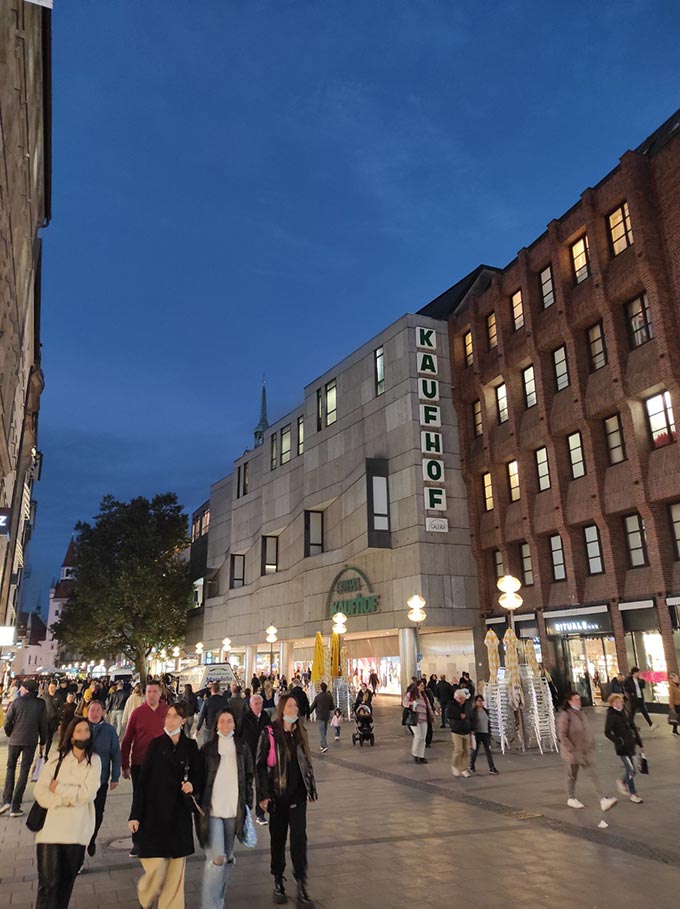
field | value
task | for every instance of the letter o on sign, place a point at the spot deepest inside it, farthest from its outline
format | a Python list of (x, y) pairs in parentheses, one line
[(434, 470)]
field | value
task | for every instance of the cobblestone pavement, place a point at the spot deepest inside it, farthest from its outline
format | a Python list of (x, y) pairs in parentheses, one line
[(387, 833)]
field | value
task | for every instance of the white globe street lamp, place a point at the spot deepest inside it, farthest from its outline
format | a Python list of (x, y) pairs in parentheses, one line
[(339, 623), (417, 615), (509, 598), (271, 640), (226, 647), (199, 651)]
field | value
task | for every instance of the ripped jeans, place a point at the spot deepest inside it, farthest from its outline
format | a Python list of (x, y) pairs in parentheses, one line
[(219, 861)]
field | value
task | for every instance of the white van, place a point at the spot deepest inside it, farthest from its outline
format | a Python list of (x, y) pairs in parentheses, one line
[(199, 675)]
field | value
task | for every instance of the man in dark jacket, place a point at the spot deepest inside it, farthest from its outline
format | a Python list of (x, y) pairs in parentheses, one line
[(117, 702), (458, 715), (444, 695), (25, 724), (210, 709), (324, 705), (634, 686), (617, 684), (253, 721), (53, 707)]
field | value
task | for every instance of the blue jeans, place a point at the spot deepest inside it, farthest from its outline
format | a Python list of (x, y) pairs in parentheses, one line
[(217, 874), (629, 767), (323, 730)]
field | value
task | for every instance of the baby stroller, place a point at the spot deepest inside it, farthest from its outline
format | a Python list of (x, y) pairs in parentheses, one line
[(363, 728)]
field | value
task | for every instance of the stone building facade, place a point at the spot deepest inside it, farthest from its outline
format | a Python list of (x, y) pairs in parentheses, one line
[(25, 124), (354, 500)]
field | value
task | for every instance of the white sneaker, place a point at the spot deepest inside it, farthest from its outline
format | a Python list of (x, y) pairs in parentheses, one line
[(455, 771), (621, 786), (465, 773), (574, 803), (324, 750), (636, 799), (653, 726), (606, 804), (4, 808)]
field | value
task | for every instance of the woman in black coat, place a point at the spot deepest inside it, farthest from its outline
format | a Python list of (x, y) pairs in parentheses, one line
[(161, 815), (620, 730), (285, 783), (227, 793)]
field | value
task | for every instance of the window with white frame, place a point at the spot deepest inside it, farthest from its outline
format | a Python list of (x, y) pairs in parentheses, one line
[(561, 368), (557, 556), (502, 403), (542, 468), (660, 419), (591, 535), (613, 431), (513, 481), (576, 456), (596, 347), (636, 540), (640, 329), (547, 288), (529, 382)]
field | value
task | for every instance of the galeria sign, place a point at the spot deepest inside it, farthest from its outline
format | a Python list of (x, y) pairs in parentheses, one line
[(430, 429)]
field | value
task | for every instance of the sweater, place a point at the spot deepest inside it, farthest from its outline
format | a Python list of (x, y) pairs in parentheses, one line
[(143, 727), (224, 801), (106, 744), (70, 808), (132, 703)]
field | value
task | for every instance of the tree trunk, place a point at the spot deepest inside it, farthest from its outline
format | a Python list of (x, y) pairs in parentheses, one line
[(141, 667)]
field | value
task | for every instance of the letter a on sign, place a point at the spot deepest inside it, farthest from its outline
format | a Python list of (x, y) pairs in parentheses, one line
[(427, 363), (426, 338)]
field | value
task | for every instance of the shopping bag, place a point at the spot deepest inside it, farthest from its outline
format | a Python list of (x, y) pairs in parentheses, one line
[(644, 765), (248, 835), (37, 767)]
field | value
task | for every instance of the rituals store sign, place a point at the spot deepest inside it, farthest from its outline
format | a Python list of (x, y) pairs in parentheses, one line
[(430, 430)]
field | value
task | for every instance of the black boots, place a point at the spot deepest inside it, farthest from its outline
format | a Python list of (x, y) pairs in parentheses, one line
[(303, 898), (280, 890)]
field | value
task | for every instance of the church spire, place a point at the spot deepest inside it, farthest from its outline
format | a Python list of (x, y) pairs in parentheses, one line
[(263, 425)]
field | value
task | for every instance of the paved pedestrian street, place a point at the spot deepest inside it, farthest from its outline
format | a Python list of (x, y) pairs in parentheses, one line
[(388, 833)]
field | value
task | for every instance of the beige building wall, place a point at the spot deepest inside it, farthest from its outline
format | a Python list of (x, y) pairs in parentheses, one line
[(330, 476)]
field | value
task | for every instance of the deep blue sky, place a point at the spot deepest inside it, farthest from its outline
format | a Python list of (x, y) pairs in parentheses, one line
[(244, 187)]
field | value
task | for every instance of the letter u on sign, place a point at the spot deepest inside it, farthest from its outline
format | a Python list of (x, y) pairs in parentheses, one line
[(429, 389)]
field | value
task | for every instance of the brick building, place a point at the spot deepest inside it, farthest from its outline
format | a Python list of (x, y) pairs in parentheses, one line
[(566, 368)]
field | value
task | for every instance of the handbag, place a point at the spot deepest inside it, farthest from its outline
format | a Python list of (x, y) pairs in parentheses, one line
[(37, 815), (248, 836), (37, 767), (271, 757), (411, 717), (644, 764)]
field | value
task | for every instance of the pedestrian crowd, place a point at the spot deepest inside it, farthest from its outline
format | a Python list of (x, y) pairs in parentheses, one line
[(252, 766)]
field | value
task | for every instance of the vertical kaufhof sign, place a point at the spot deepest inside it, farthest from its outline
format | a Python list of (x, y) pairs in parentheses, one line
[(430, 430)]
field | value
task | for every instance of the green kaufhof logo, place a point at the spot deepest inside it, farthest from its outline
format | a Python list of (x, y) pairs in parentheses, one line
[(351, 592)]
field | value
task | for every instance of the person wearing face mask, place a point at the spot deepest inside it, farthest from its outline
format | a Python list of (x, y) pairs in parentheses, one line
[(622, 732), (227, 791), (161, 815), (285, 783), (67, 787), (577, 750)]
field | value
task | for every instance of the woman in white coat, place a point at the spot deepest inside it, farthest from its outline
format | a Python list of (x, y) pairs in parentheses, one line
[(69, 825)]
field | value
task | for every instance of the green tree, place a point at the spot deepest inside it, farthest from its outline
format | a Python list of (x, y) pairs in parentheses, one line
[(132, 588)]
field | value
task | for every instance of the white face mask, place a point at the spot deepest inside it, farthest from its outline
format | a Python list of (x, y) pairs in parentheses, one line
[(575, 706), (172, 732)]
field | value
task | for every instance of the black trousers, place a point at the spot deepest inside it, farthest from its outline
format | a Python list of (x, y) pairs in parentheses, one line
[(430, 733), (284, 815), (57, 870), (483, 738), (14, 794), (52, 727), (99, 806), (639, 704)]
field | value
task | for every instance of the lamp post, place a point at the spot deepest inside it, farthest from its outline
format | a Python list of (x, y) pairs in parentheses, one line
[(416, 614), (199, 652), (175, 655), (226, 647), (271, 640), (510, 598)]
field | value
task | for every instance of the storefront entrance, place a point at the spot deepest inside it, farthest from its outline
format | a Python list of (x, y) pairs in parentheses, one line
[(645, 649), (587, 664)]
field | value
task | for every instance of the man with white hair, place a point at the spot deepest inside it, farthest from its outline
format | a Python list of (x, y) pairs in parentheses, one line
[(458, 715), (253, 721)]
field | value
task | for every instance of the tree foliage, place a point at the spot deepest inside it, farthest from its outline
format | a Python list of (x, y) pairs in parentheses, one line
[(132, 588)]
